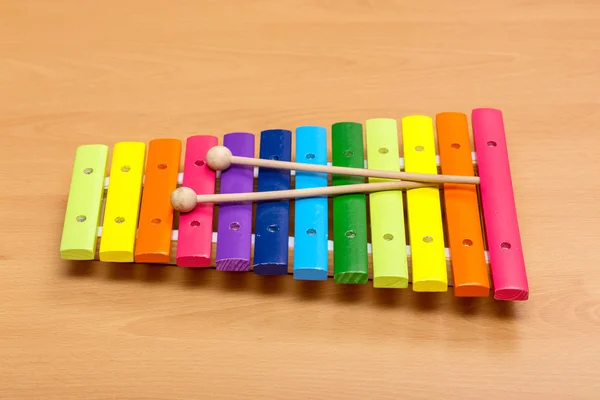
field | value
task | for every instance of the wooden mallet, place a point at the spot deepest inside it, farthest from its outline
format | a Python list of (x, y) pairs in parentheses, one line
[(219, 158)]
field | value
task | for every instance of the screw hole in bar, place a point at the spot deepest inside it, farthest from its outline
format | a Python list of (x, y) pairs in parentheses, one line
[(273, 228), (81, 218), (310, 156), (119, 220), (348, 153), (234, 226), (155, 221), (491, 143), (162, 166), (311, 232), (467, 242), (88, 171), (276, 158), (388, 237), (427, 239), (199, 163), (194, 224), (125, 168), (350, 234), (455, 146), (383, 150), (505, 246), (419, 148)]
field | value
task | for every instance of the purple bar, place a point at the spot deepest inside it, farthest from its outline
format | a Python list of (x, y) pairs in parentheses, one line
[(234, 234)]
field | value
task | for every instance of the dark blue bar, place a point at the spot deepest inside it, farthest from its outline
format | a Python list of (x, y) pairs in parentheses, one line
[(273, 216)]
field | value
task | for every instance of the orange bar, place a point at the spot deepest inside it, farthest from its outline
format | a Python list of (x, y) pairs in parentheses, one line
[(461, 204), (156, 213)]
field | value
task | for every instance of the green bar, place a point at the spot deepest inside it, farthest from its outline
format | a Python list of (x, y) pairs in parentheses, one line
[(350, 254), (82, 216)]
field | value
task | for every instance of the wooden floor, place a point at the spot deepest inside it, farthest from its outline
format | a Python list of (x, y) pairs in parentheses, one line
[(80, 72)]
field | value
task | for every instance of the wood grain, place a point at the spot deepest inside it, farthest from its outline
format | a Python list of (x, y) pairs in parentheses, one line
[(75, 72)]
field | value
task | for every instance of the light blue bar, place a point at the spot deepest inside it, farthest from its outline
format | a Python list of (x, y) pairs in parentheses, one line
[(310, 214)]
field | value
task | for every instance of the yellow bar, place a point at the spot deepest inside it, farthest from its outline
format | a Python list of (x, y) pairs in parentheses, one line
[(424, 210), (122, 202), (388, 238)]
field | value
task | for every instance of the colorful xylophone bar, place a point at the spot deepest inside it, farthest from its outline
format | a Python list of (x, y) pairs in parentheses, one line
[(434, 237)]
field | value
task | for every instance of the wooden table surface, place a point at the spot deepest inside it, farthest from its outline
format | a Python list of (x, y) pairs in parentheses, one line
[(77, 72)]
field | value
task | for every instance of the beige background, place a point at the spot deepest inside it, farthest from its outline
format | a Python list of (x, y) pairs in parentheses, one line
[(79, 72)]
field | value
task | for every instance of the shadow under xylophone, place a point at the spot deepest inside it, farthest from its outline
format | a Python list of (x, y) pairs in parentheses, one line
[(432, 237)]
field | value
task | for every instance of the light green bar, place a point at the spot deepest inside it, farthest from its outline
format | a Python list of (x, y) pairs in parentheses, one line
[(388, 237), (82, 216)]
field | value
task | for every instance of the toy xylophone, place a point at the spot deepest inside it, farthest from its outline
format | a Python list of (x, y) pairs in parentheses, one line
[(431, 218)]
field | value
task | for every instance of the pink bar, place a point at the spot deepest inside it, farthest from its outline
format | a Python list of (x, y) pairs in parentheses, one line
[(194, 244), (498, 202)]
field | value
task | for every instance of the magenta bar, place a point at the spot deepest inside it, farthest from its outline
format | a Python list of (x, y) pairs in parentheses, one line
[(194, 243), (234, 232), (498, 203)]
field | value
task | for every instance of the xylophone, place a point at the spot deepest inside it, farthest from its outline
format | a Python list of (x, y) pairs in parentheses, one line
[(456, 227)]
